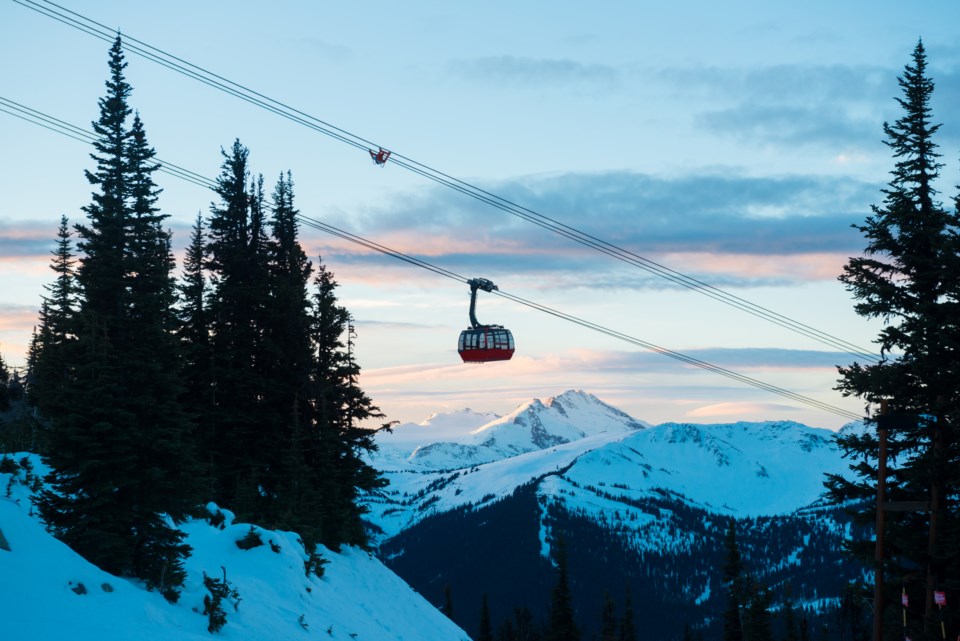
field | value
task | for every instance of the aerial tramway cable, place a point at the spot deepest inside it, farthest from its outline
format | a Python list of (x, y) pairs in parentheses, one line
[(154, 54)]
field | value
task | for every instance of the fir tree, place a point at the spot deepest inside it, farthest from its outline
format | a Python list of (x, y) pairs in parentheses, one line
[(485, 632), (337, 442), (447, 608), (561, 625), (4, 386), (628, 631), (909, 276), (287, 359), (234, 441), (791, 630), (525, 628), (194, 334), (119, 443), (733, 584), (758, 625), (49, 358), (608, 619)]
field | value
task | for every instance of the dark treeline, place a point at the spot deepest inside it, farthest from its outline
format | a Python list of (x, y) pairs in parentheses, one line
[(232, 383), (660, 576)]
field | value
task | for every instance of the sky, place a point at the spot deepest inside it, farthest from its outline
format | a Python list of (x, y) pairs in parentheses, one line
[(732, 142)]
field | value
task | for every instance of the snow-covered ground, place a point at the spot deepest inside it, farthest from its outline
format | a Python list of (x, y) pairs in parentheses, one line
[(357, 599)]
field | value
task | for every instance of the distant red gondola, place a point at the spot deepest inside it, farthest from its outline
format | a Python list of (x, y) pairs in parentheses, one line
[(379, 157), (483, 343)]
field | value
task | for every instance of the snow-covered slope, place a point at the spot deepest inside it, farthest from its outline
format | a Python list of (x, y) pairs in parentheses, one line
[(357, 599), (742, 469)]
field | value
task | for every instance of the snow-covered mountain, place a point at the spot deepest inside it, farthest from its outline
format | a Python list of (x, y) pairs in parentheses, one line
[(737, 469), (631, 500), (456, 440), (49, 592)]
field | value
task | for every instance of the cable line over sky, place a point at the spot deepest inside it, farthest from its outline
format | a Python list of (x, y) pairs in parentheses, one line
[(179, 65), (59, 126)]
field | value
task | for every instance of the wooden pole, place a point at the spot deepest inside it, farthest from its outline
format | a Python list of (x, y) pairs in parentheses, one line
[(878, 547), (936, 490)]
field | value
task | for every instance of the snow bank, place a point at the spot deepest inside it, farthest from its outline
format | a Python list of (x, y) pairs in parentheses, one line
[(357, 599)]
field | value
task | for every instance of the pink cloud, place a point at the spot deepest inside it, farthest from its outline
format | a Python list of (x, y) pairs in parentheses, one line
[(808, 267)]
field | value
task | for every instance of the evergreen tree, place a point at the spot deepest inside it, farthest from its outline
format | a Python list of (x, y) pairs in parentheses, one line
[(287, 358), (506, 631), (733, 584), (447, 608), (234, 439), (791, 632), (525, 628), (758, 625), (628, 631), (608, 619), (49, 359), (561, 625), (194, 333), (909, 276), (119, 442), (282, 433), (337, 442), (485, 632), (151, 364), (4, 386)]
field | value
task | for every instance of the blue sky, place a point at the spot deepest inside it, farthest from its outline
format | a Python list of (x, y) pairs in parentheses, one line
[(734, 143)]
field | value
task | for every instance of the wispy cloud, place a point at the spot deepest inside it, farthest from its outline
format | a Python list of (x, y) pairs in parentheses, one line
[(779, 125), (327, 50), (737, 229), (535, 72), (26, 239), (14, 317), (794, 105)]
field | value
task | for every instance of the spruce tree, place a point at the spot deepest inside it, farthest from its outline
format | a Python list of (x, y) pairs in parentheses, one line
[(337, 442), (628, 631), (49, 359), (791, 631), (287, 362), (119, 443), (908, 276), (447, 608), (525, 628), (194, 334), (233, 437), (608, 619), (485, 632), (561, 625), (733, 585), (758, 624), (283, 432), (4, 386)]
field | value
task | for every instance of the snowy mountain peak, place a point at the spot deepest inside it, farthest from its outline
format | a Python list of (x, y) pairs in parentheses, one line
[(538, 425), (442, 442)]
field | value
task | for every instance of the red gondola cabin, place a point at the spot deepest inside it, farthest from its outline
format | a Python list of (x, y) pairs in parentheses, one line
[(484, 343)]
